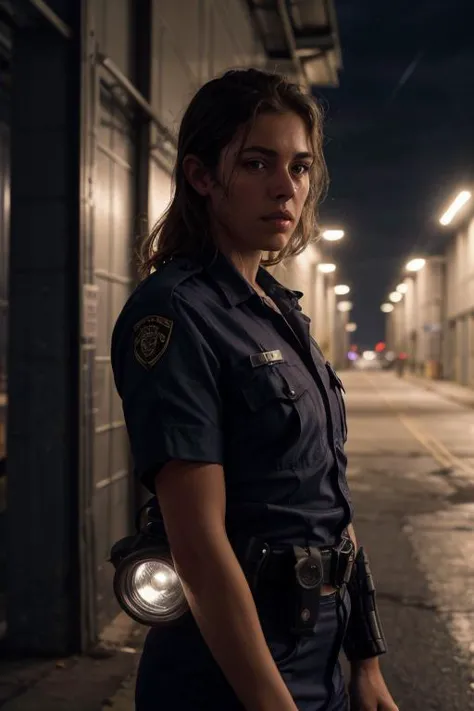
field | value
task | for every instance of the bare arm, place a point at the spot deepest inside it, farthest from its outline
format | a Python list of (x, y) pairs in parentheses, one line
[(192, 501)]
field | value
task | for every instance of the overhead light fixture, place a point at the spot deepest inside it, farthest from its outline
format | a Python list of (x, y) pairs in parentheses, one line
[(415, 265), (351, 327), (333, 235), (459, 202), (326, 268), (387, 308), (344, 306), (395, 297), (402, 288), (342, 289)]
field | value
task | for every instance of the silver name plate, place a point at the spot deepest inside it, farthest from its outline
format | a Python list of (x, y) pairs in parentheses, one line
[(266, 358)]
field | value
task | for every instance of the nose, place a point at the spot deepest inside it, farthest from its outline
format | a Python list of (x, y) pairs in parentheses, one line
[(281, 185)]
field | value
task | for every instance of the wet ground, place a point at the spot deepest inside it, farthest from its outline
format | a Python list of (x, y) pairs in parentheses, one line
[(411, 456)]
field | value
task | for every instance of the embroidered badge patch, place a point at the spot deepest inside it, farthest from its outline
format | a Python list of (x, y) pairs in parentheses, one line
[(152, 337)]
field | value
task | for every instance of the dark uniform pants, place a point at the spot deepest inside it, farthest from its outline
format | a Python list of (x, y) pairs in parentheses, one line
[(178, 673)]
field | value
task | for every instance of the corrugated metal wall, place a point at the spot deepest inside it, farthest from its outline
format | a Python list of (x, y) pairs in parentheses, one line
[(113, 232)]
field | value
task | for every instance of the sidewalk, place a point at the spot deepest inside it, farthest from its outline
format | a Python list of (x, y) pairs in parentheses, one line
[(99, 681), (461, 394)]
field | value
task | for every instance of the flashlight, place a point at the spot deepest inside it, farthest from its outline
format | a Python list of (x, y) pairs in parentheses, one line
[(146, 584)]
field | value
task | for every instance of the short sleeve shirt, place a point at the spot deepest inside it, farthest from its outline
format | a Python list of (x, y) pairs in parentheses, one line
[(208, 372)]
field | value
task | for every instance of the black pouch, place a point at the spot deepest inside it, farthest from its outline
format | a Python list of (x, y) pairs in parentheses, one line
[(307, 590)]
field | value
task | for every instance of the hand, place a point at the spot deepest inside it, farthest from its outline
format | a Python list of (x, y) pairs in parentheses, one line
[(367, 689)]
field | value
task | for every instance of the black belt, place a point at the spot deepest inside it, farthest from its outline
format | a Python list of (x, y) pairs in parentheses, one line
[(301, 571), (336, 564)]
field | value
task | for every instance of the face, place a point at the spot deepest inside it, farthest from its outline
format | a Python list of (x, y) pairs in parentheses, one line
[(262, 186)]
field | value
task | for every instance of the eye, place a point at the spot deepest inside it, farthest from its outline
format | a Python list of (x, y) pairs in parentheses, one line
[(255, 164), (301, 168)]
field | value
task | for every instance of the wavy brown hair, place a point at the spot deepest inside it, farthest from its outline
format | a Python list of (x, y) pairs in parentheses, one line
[(218, 110)]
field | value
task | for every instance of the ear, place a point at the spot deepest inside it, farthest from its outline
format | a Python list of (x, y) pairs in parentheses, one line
[(197, 175)]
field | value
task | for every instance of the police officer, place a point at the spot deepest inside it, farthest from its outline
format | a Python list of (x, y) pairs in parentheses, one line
[(237, 423)]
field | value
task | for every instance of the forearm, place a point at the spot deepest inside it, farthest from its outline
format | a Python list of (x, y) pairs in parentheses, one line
[(224, 609)]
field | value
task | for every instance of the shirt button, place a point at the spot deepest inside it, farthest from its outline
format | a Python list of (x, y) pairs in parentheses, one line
[(291, 392)]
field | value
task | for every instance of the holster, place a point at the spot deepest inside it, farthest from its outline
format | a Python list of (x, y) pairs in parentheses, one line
[(364, 637)]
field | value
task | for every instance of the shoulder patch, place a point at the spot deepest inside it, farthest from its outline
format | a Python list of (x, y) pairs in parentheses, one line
[(152, 337)]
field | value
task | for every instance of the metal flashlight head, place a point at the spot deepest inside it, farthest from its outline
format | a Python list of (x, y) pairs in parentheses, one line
[(146, 584)]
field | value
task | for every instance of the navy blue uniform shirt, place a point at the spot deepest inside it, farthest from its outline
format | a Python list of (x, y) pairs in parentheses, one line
[(208, 372)]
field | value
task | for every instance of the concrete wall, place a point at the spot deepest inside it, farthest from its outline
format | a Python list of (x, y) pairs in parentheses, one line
[(458, 357), (434, 323)]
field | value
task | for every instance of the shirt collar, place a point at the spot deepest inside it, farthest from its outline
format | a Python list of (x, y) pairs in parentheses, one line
[(237, 290)]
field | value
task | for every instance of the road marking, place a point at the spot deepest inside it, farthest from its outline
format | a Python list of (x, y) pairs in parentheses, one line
[(435, 447)]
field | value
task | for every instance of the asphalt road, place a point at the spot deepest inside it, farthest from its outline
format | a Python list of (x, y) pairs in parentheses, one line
[(411, 455)]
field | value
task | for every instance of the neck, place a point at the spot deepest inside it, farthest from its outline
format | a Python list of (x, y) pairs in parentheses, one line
[(247, 263)]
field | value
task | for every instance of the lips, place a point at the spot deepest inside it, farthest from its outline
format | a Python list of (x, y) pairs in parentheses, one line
[(280, 215)]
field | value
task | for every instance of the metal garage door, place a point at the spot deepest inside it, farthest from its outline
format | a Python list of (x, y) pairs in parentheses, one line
[(113, 233)]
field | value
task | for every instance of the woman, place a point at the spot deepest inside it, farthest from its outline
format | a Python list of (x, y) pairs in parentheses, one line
[(236, 421)]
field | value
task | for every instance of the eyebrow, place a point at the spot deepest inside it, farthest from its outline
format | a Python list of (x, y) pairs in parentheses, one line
[(273, 154)]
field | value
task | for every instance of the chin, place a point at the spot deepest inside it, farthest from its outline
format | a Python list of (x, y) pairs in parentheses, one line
[(275, 242)]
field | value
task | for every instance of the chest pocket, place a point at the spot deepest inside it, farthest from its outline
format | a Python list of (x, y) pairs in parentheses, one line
[(270, 383), (338, 389), (270, 417)]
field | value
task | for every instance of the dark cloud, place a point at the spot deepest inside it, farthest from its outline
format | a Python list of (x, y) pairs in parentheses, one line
[(400, 137)]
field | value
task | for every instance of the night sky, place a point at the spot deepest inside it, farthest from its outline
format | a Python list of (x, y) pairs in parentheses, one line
[(399, 140)]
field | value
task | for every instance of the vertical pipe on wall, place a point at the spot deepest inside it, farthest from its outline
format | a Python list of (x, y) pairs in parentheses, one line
[(88, 186), (142, 53)]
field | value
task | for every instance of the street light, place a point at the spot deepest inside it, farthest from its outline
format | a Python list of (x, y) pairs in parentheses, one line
[(326, 268), (402, 288), (332, 235), (415, 265), (395, 297), (342, 289), (459, 202), (344, 306), (351, 327), (387, 308)]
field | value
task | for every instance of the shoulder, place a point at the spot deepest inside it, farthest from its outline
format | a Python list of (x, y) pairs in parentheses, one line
[(169, 299), (158, 291)]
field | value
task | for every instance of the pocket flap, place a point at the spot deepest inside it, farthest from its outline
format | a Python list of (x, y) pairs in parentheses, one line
[(271, 383)]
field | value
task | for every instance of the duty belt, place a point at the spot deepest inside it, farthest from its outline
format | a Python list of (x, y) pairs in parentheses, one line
[(304, 569)]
